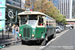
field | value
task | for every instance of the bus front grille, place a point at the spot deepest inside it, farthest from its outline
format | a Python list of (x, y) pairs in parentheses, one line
[(26, 32)]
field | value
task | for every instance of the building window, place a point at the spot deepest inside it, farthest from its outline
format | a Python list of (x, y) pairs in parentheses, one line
[(14, 2), (17, 1)]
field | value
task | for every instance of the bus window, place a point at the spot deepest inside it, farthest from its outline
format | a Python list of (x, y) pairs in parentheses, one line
[(32, 20), (51, 23), (47, 23), (23, 19), (40, 21), (32, 17)]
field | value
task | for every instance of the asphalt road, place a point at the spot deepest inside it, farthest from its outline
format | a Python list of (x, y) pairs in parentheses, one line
[(64, 42), (61, 41)]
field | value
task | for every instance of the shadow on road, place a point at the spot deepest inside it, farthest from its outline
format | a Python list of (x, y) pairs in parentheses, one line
[(5, 38), (35, 43)]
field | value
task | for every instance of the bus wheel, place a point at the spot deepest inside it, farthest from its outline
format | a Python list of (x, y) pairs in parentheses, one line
[(22, 42), (44, 42), (54, 35), (38, 41)]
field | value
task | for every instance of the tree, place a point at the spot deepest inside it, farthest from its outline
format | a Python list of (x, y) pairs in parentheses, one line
[(48, 8), (28, 3)]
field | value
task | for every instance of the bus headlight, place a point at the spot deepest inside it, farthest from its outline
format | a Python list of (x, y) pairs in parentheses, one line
[(33, 35), (19, 34)]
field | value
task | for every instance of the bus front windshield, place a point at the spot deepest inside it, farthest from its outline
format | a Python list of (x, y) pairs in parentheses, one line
[(32, 20)]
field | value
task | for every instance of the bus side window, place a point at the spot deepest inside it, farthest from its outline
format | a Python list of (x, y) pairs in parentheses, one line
[(40, 21), (50, 23), (47, 23)]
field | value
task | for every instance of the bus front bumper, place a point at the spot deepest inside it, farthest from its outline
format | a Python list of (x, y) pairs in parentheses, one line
[(32, 39)]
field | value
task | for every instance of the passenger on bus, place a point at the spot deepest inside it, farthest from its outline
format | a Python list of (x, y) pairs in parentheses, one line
[(41, 24), (40, 21)]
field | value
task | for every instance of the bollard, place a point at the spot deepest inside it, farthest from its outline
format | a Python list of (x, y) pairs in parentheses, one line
[(2, 33)]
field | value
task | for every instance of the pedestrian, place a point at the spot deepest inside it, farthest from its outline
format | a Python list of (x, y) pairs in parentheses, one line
[(13, 29), (16, 31), (5, 28)]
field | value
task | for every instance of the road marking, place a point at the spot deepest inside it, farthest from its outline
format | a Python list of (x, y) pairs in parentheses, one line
[(57, 36)]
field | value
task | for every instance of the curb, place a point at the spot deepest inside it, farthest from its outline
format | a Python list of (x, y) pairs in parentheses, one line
[(9, 43), (42, 47)]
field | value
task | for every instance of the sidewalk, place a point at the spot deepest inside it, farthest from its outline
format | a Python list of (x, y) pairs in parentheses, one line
[(6, 40)]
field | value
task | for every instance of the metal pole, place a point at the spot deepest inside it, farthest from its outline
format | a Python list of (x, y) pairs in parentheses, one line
[(16, 15), (8, 32), (2, 34)]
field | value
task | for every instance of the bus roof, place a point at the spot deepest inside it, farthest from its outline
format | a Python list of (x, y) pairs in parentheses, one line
[(35, 13), (30, 13)]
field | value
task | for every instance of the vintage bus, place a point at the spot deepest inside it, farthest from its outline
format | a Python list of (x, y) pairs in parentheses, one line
[(36, 26)]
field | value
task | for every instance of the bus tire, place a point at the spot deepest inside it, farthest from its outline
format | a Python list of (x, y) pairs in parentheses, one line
[(22, 42), (54, 35), (38, 41), (43, 42)]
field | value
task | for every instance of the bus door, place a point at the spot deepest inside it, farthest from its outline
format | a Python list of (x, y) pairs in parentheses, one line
[(40, 29)]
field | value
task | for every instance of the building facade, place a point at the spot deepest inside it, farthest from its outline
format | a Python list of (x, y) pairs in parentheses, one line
[(71, 19), (13, 7), (67, 8), (73, 9), (64, 7)]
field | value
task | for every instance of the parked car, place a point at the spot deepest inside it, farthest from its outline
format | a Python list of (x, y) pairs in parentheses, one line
[(58, 29), (62, 28)]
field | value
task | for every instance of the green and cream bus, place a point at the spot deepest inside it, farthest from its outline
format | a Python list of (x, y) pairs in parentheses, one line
[(36, 26)]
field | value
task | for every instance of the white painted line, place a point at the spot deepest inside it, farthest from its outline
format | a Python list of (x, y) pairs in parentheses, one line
[(57, 36)]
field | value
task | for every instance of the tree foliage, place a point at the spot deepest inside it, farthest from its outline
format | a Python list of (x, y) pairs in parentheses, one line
[(48, 8)]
